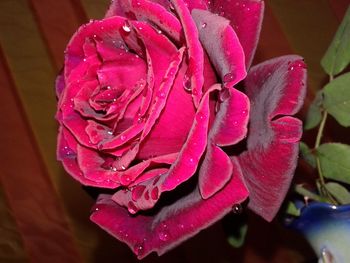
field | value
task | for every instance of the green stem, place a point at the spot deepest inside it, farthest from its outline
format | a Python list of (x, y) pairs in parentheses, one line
[(324, 191)]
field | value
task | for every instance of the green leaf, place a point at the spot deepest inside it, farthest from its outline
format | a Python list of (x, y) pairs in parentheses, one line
[(314, 114), (339, 192), (337, 99), (306, 154), (335, 161), (337, 56), (292, 209), (237, 241)]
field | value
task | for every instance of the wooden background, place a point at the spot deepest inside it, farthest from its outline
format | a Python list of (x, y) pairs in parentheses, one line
[(43, 212)]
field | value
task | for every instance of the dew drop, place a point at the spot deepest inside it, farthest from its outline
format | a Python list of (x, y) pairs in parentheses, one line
[(126, 27), (237, 209), (67, 152), (132, 208), (229, 77), (244, 112), (125, 179), (155, 193), (187, 83), (123, 137), (161, 94), (137, 192), (138, 249), (204, 25), (163, 235)]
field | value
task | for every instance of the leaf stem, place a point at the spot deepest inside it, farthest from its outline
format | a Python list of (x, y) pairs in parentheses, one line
[(323, 189)]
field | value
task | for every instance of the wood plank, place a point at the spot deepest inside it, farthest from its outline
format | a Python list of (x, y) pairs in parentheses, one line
[(57, 20), (27, 186)]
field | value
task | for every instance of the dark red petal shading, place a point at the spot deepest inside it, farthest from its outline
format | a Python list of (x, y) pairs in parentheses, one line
[(215, 171), (276, 89), (231, 121), (222, 45), (107, 30), (170, 131), (186, 164), (195, 50), (246, 19), (156, 15), (67, 154), (173, 224), (59, 84)]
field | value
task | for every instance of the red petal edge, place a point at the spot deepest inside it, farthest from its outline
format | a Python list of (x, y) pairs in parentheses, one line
[(276, 88), (173, 224)]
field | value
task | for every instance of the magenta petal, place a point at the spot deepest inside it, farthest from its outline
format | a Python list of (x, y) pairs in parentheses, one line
[(246, 19), (173, 224), (186, 164), (222, 45), (230, 125), (276, 89), (195, 51), (215, 172), (157, 15)]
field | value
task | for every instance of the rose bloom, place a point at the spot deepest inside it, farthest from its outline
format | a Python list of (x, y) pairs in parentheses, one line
[(151, 116)]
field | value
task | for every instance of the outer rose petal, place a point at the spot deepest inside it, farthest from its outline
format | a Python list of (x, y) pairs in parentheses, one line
[(173, 224), (276, 88), (222, 45), (246, 19)]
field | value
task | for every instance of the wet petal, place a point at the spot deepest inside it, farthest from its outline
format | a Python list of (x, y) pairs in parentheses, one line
[(246, 19), (173, 224), (195, 50), (276, 89), (222, 45), (215, 171), (231, 121)]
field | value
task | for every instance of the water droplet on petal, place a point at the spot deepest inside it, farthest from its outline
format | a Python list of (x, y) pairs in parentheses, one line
[(138, 249), (123, 137), (237, 209), (137, 192), (161, 94), (132, 208), (229, 77), (155, 193), (67, 152), (163, 235), (204, 25), (187, 83), (125, 179), (126, 27)]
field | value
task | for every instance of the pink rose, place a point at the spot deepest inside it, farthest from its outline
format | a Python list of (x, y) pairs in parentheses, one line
[(148, 110)]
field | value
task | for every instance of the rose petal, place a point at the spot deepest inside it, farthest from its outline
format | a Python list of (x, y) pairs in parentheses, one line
[(67, 154), (186, 164), (173, 224), (276, 88), (195, 51), (59, 84), (222, 45), (107, 30), (230, 125), (91, 165), (156, 15), (170, 131), (215, 171), (246, 19)]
